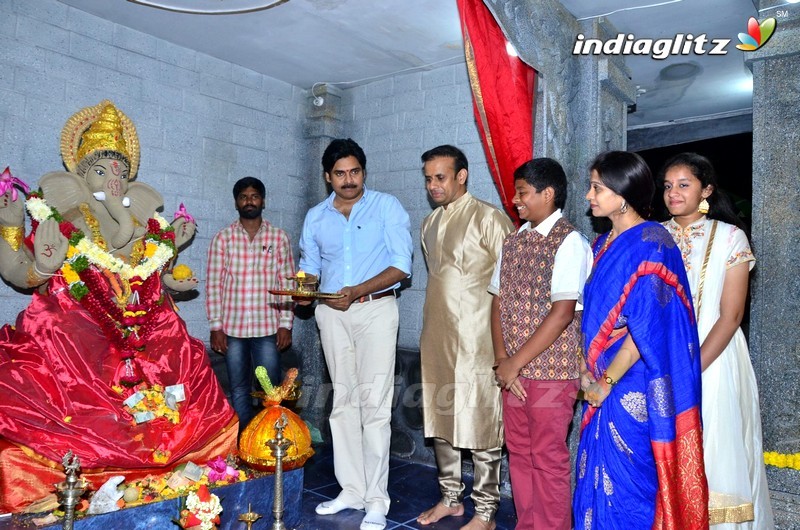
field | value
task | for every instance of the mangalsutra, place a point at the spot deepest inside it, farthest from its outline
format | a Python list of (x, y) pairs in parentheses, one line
[(607, 241)]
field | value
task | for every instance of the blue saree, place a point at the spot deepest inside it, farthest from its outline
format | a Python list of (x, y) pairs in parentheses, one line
[(640, 458)]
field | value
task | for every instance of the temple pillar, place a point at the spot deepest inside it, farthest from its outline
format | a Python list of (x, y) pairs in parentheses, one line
[(775, 304), (323, 123), (581, 100)]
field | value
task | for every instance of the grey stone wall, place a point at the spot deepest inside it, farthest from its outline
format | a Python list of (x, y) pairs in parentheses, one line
[(203, 123), (774, 333), (395, 120)]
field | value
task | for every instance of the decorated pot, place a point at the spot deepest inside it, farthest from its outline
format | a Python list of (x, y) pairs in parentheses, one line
[(253, 447)]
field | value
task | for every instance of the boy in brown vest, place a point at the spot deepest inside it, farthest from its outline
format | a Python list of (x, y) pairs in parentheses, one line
[(535, 332)]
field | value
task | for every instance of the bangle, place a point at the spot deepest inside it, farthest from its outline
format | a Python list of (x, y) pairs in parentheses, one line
[(40, 273), (609, 380)]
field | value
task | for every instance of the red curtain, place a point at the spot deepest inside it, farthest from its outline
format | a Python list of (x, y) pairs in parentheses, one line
[(502, 96)]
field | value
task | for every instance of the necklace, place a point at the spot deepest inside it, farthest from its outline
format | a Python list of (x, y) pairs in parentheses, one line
[(606, 243)]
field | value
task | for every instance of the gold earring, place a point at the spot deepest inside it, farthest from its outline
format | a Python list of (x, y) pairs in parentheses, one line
[(703, 207), (624, 207)]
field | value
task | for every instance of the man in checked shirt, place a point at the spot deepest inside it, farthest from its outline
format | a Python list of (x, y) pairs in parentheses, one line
[(249, 326)]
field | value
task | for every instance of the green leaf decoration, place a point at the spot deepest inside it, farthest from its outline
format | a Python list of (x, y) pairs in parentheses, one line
[(263, 379)]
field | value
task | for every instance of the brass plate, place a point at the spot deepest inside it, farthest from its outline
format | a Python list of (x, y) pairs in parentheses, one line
[(305, 294)]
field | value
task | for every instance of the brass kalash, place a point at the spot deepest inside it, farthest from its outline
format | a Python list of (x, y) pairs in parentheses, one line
[(276, 439)]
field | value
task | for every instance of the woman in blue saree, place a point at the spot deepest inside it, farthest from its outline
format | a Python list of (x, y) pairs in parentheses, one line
[(640, 458)]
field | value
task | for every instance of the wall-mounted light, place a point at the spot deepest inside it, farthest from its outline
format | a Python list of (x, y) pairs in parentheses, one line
[(318, 101), (211, 7)]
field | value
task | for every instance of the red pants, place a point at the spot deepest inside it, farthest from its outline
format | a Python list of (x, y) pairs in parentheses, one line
[(538, 457)]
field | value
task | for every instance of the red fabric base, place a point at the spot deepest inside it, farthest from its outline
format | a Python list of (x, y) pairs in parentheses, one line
[(57, 371)]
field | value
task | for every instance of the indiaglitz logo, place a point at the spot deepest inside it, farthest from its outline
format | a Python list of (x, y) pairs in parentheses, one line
[(757, 34), (622, 44), (681, 44)]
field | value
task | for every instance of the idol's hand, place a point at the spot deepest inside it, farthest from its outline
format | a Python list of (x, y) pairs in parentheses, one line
[(179, 286), (184, 231), (49, 247), (12, 212)]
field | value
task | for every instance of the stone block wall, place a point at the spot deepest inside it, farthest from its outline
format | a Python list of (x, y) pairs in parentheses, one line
[(203, 123), (395, 120)]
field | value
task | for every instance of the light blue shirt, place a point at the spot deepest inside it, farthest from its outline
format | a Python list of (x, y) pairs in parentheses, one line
[(345, 252)]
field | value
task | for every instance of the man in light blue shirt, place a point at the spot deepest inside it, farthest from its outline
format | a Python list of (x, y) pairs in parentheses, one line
[(358, 242)]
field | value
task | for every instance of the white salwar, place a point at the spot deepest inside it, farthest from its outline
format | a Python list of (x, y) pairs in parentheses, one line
[(733, 453)]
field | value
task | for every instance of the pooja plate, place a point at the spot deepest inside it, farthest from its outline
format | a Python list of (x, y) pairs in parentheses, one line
[(305, 294)]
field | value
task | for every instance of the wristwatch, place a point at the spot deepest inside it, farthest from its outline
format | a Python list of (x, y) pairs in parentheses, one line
[(609, 380)]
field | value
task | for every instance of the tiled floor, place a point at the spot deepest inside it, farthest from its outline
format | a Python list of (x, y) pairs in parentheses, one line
[(412, 488)]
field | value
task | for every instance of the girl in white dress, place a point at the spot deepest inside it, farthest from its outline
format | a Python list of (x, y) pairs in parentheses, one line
[(718, 261)]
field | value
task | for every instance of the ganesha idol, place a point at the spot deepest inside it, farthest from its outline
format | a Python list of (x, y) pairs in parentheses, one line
[(100, 363)]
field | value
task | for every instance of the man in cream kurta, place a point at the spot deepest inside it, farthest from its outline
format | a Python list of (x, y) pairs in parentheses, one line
[(461, 241)]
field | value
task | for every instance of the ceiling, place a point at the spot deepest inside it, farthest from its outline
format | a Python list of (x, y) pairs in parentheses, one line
[(351, 42)]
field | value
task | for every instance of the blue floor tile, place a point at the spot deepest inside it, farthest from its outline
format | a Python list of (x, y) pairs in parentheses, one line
[(413, 489)]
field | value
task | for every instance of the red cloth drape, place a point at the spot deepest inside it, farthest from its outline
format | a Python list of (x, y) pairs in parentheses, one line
[(502, 90)]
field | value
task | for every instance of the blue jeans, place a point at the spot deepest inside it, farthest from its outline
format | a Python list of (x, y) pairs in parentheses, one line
[(243, 355)]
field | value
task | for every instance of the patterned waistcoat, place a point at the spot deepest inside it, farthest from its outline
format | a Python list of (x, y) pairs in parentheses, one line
[(526, 275)]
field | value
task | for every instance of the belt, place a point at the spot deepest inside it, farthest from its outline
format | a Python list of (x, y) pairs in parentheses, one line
[(376, 296)]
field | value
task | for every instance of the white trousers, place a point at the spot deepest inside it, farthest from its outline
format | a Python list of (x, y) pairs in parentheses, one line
[(359, 346)]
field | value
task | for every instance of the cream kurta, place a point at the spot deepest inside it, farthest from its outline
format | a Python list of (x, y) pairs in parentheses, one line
[(461, 401)]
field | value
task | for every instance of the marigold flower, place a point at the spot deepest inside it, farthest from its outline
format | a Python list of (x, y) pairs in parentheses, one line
[(182, 272)]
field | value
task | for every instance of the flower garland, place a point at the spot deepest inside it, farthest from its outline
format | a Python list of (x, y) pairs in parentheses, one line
[(201, 506), (159, 245), (125, 320), (773, 458)]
